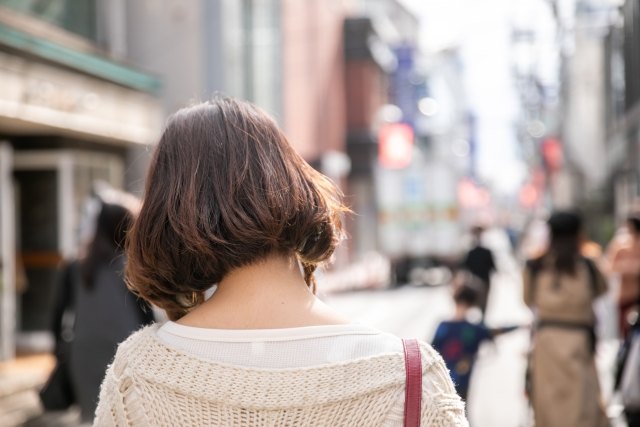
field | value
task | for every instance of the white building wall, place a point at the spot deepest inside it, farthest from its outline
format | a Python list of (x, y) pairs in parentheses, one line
[(165, 37), (584, 119)]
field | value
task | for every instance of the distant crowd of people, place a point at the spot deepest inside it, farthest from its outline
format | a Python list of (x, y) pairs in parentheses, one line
[(560, 287)]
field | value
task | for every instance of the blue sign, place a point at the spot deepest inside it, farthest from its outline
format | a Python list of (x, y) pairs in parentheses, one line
[(402, 90)]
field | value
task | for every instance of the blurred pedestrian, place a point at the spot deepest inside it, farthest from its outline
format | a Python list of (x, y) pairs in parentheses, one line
[(561, 287), (627, 379), (103, 312), (625, 260), (229, 203), (58, 394), (458, 340), (479, 262)]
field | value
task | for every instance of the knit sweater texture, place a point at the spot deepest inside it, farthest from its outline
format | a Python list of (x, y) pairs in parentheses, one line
[(153, 384)]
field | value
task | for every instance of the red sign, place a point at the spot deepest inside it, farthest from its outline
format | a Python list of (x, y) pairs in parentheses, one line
[(471, 195), (529, 195), (395, 145), (552, 154)]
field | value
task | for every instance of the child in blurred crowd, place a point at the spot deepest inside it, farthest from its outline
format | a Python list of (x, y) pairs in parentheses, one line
[(458, 340)]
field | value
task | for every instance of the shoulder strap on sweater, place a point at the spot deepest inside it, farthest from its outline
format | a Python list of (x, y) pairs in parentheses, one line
[(413, 387)]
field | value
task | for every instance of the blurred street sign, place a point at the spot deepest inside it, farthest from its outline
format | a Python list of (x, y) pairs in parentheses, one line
[(552, 154), (470, 195), (395, 145), (403, 92), (528, 196), (418, 213)]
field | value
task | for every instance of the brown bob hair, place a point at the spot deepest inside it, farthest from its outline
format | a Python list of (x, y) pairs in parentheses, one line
[(225, 190)]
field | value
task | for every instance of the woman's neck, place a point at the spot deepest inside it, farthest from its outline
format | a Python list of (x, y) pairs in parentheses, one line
[(269, 294)]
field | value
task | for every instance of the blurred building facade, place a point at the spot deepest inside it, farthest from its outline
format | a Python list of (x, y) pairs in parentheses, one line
[(73, 109), (624, 110), (583, 181), (283, 55), (614, 91), (367, 82), (76, 107), (405, 191), (580, 130), (410, 197)]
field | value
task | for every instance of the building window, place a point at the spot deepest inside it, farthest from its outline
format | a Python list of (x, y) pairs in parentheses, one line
[(252, 52), (77, 16)]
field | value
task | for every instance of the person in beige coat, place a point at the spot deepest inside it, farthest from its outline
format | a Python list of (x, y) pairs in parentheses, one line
[(560, 287)]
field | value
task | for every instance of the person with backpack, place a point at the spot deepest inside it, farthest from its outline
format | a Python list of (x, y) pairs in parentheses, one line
[(560, 287), (229, 205)]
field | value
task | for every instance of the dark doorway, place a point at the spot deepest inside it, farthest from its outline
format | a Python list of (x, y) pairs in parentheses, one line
[(37, 240)]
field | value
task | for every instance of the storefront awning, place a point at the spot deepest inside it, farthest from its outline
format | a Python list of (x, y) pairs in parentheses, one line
[(86, 62), (37, 98)]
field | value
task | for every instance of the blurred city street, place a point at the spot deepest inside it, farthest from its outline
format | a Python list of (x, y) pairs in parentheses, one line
[(456, 130), (498, 379), (416, 311)]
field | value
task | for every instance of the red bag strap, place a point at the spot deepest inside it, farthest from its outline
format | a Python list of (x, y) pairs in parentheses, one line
[(413, 388)]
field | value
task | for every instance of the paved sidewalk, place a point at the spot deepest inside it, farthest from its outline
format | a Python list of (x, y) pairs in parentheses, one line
[(70, 418), (20, 380)]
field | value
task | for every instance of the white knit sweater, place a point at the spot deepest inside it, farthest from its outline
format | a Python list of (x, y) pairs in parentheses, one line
[(152, 383)]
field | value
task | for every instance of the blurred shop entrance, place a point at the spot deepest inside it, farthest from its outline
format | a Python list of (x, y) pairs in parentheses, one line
[(70, 113), (50, 187)]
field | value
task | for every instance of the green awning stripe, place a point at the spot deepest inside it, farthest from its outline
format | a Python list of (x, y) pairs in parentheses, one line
[(86, 62)]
